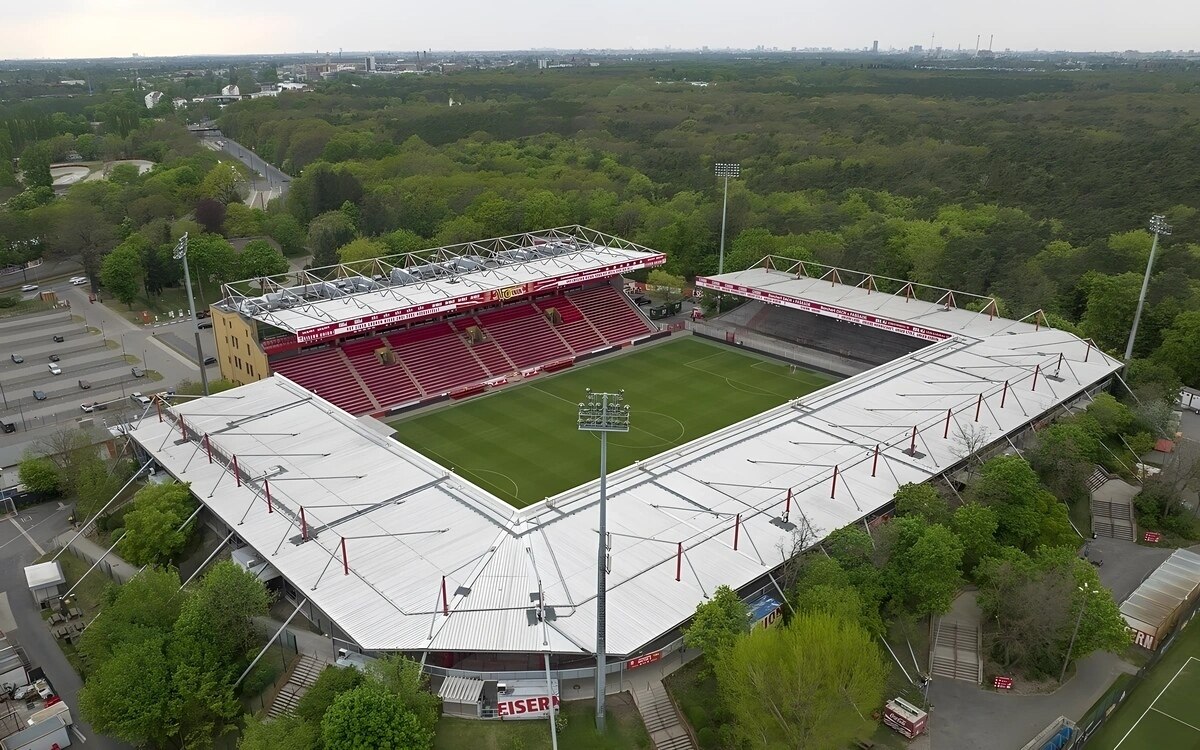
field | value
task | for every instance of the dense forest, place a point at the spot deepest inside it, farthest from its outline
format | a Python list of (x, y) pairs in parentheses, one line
[(1031, 185)]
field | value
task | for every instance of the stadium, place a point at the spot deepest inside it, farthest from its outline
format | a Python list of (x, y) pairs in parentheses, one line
[(469, 541)]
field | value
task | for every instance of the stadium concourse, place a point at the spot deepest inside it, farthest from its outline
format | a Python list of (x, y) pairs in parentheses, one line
[(389, 551)]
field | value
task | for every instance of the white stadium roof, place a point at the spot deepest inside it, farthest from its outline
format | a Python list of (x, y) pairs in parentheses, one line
[(348, 298), (409, 522)]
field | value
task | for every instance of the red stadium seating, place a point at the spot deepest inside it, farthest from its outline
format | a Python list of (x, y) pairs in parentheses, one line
[(611, 312), (434, 359), (524, 334), (575, 327), (326, 374)]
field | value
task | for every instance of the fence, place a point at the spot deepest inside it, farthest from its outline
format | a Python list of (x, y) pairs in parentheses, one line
[(282, 653), (1116, 695)]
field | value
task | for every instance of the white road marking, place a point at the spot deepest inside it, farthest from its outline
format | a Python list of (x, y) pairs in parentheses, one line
[(1160, 694), (25, 534)]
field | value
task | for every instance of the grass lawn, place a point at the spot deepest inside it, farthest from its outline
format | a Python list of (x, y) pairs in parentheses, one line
[(172, 298), (25, 306), (625, 730), (521, 443), (1161, 711)]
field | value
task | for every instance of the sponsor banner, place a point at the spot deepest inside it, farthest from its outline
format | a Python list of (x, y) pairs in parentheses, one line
[(527, 708), (765, 612), (279, 344), (829, 311), (643, 660)]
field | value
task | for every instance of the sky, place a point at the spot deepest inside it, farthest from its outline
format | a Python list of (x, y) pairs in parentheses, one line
[(119, 28)]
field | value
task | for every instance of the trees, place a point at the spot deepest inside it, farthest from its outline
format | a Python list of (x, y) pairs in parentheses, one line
[(362, 249), (40, 475), (281, 732), (403, 678), (717, 624), (367, 718), (812, 683), (224, 183), (332, 682), (35, 166), (124, 695), (1010, 486), (212, 259), (1064, 456), (326, 234), (95, 484), (923, 571), (258, 259), (975, 526), (922, 501), (152, 526), (284, 229), (210, 214), (1180, 343), (120, 272)]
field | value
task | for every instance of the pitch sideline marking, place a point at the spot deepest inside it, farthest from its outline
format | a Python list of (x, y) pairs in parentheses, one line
[(1169, 716), (1160, 694), (450, 464)]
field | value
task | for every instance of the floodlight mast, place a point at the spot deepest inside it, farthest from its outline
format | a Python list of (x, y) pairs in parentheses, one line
[(1159, 226), (725, 170), (603, 413), (181, 251)]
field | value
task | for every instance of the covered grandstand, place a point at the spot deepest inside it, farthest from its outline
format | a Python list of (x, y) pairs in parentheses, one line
[(395, 332), (389, 551)]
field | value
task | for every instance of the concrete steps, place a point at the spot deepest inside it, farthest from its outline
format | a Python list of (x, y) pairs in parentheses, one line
[(662, 720), (1114, 520), (304, 674), (957, 651)]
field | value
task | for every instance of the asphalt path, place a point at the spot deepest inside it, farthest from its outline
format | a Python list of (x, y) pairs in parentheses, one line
[(23, 538)]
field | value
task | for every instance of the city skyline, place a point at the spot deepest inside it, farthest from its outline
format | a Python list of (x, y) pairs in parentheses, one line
[(78, 29)]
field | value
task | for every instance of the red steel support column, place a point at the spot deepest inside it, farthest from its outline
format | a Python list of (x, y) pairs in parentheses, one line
[(678, 561), (946, 429), (978, 406), (158, 408), (345, 560), (303, 525), (1004, 394), (208, 447), (1036, 371), (875, 462), (236, 474), (445, 601), (267, 487), (787, 509), (913, 447), (737, 529), (833, 488)]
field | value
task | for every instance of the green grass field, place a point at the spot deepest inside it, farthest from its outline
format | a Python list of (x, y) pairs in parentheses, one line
[(521, 443), (1161, 712)]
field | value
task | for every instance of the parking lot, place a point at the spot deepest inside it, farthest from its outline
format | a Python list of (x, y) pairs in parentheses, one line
[(82, 356)]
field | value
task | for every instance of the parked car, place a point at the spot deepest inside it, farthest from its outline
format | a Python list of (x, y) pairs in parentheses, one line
[(84, 385), (203, 314), (642, 301), (210, 360), (204, 325), (58, 338), (78, 280), (8, 426), (138, 372), (90, 406), (54, 369), (139, 399), (54, 358), (39, 395), (29, 288), (17, 359)]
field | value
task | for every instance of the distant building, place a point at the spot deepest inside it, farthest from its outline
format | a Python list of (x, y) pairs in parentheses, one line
[(153, 98), (370, 63), (231, 90), (875, 47), (73, 82), (179, 102)]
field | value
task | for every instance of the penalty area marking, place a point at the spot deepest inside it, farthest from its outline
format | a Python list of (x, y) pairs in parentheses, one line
[(1151, 706)]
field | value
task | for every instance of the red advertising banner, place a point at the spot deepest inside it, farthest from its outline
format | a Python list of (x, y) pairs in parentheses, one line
[(467, 301), (643, 660), (829, 311), (527, 708)]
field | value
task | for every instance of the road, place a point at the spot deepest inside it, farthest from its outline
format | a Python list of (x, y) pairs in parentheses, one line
[(270, 183), (21, 619)]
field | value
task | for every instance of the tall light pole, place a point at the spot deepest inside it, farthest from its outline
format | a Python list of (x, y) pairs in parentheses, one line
[(1087, 589), (603, 413), (725, 170), (181, 253), (1158, 225)]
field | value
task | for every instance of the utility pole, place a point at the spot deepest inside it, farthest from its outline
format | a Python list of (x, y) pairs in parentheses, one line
[(1159, 226), (1086, 589), (181, 253)]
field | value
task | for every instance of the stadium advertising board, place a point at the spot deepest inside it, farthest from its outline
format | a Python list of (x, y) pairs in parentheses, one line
[(829, 311), (526, 708), (466, 301), (643, 660)]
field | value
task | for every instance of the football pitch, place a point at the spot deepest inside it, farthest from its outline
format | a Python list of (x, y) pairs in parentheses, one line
[(522, 444), (1161, 712)]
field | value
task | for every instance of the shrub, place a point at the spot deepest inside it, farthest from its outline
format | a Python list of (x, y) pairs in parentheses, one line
[(697, 716), (707, 737), (8, 301)]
